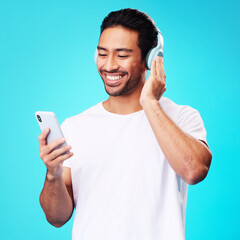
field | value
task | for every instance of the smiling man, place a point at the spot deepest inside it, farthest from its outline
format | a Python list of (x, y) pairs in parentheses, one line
[(134, 154), (121, 68)]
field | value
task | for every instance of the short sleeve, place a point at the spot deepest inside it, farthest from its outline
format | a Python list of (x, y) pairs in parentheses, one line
[(190, 121), (66, 134)]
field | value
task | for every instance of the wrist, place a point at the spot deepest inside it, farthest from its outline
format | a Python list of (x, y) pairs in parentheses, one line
[(52, 177), (148, 102)]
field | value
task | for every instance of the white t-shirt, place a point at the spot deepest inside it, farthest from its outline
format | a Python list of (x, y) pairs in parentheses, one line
[(123, 186)]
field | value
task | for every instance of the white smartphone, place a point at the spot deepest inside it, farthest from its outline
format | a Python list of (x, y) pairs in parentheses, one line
[(49, 120)]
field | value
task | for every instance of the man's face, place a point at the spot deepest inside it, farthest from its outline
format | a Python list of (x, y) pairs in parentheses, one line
[(119, 61)]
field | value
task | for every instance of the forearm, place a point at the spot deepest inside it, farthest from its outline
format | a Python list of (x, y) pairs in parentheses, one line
[(56, 202), (188, 157)]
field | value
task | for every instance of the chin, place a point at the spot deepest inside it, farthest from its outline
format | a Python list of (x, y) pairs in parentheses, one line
[(123, 88), (113, 92)]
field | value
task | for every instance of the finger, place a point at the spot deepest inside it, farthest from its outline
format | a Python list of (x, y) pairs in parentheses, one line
[(51, 146), (153, 68), (158, 66), (55, 166), (162, 72), (43, 138), (64, 157), (58, 152), (60, 159)]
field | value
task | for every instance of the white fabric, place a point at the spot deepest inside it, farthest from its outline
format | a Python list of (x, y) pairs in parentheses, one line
[(124, 188)]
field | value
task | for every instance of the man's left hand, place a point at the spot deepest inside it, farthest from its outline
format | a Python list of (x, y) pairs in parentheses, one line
[(155, 86)]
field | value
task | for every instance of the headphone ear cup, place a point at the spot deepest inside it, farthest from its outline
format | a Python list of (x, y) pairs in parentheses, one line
[(95, 56), (149, 58), (154, 52)]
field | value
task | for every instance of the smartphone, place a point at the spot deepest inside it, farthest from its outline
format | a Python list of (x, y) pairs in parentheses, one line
[(49, 120)]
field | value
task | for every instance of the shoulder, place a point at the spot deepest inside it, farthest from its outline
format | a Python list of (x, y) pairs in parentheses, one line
[(174, 110), (186, 117), (83, 118)]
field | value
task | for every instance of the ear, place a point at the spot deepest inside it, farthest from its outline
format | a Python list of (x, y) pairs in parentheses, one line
[(144, 65)]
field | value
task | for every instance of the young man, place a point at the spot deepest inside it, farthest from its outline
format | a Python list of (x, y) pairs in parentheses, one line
[(134, 154)]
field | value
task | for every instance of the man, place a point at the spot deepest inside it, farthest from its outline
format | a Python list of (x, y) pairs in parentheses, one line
[(134, 154)]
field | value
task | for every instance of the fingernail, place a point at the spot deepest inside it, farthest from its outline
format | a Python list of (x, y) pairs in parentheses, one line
[(61, 140)]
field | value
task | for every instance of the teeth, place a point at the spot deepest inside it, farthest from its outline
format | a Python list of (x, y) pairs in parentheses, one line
[(113, 77)]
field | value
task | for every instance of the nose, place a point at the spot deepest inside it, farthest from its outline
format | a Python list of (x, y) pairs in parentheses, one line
[(111, 63)]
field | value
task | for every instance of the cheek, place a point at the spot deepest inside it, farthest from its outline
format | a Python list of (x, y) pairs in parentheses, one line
[(136, 67), (130, 66)]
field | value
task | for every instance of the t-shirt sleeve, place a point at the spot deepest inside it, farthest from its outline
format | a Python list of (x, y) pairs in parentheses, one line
[(66, 134), (190, 121)]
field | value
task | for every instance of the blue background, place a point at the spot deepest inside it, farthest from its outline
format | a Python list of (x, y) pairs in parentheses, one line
[(46, 63)]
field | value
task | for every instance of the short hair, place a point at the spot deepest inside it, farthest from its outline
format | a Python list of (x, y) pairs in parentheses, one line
[(136, 20)]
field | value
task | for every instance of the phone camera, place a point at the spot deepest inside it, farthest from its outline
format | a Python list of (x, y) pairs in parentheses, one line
[(39, 118)]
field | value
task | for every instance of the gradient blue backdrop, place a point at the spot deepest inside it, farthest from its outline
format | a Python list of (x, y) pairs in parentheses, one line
[(46, 63)]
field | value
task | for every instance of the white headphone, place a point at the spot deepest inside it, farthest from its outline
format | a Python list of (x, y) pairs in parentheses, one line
[(156, 51), (152, 53)]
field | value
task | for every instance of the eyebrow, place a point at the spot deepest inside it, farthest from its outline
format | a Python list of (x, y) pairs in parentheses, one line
[(118, 49)]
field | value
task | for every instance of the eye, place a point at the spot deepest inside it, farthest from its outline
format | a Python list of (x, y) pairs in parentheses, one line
[(123, 56), (102, 55)]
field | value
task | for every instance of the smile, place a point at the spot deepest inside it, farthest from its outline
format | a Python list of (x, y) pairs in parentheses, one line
[(111, 77)]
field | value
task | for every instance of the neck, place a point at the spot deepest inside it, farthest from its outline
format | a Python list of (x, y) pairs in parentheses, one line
[(125, 104)]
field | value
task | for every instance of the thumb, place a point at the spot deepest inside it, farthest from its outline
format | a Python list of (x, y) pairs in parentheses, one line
[(43, 138)]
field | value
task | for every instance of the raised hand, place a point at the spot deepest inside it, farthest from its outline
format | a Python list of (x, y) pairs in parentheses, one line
[(155, 86)]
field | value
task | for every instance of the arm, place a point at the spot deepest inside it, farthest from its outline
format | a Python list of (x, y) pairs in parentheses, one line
[(56, 197), (189, 157)]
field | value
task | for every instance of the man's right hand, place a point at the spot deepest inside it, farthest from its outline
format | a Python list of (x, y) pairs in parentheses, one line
[(53, 158)]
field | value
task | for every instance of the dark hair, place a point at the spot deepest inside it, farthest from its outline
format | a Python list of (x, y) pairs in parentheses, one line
[(135, 20)]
